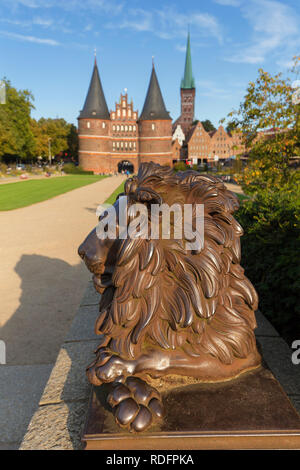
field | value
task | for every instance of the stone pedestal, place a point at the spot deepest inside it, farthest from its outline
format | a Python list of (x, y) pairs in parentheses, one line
[(250, 412)]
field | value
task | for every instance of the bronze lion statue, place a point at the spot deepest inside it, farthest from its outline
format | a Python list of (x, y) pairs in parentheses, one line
[(165, 309)]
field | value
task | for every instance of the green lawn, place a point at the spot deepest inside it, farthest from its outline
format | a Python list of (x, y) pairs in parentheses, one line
[(241, 197), (25, 193), (113, 196)]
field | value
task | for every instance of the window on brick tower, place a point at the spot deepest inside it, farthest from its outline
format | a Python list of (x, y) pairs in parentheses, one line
[(153, 127), (88, 125)]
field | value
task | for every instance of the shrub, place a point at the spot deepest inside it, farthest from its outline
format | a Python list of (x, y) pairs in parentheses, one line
[(70, 168), (181, 166), (270, 248), (3, 168)]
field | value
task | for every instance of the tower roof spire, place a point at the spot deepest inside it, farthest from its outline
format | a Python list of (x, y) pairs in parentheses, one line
[(95, 104), (154, 106), (188, 79)]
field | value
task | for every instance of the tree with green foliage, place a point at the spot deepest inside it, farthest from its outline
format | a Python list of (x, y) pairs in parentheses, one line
[(269, 120), (231, 127), (270, 254), (208, 125), (24, 138), (16, 137), (181, 166), (57, 130), (73, 143)]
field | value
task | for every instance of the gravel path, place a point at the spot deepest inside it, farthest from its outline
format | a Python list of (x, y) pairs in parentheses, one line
[(42, 278)]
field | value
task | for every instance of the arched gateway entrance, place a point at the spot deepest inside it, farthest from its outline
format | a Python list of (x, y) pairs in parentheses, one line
[(125, 166)]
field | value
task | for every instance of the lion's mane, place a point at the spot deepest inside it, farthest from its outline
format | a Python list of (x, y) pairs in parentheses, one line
[(165, 296)]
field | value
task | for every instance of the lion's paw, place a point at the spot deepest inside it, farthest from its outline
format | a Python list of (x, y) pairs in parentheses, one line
[(107, 367), (136, 405)]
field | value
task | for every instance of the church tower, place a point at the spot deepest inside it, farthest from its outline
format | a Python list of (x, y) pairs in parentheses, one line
[(155, 127), (187, 92), (94, 129)]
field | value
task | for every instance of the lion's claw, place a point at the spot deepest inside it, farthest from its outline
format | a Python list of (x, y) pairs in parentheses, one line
[(135, 404)]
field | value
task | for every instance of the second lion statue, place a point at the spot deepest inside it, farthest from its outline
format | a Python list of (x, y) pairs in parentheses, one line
[(165, 309)]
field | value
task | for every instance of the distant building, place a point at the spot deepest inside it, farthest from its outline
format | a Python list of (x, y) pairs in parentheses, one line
[(120, 139), (124, 134), (178, 135), (197, 145), (176, 150), (214, 146), (187, 94), (220, 144)]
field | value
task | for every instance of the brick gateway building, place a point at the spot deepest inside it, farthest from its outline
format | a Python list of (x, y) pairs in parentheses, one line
[(120, 139)]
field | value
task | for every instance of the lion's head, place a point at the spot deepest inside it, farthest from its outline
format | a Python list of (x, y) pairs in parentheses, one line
[(156, 293)]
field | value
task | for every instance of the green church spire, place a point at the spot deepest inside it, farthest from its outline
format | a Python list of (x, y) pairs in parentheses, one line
[(188, 79)]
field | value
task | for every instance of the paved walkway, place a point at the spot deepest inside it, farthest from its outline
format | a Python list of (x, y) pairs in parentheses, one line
[(41, 277), (234, 187), (42, 281)]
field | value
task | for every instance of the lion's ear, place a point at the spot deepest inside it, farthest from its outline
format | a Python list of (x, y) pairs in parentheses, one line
[(144, 194)]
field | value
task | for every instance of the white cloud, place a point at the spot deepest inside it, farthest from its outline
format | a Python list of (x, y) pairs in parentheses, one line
[(22, 37), (88, 27), (180, 48), (28, 3), (275, 30), (34, 4), (137, 19), (45, 22), (112, 7), (230, 3), (168, 23), (211, 89)]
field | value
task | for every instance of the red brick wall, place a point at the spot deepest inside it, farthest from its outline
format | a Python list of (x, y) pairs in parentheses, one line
[(97, 153), (187, 108), (155, 140), (94, 145)]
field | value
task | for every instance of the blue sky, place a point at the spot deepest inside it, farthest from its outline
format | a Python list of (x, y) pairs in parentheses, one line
[(47, 46)]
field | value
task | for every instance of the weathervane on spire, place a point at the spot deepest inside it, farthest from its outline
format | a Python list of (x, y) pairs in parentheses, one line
[(153, 61), (95, 54)]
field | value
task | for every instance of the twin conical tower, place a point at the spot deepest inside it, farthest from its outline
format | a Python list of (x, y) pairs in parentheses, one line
[(119, 140)]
